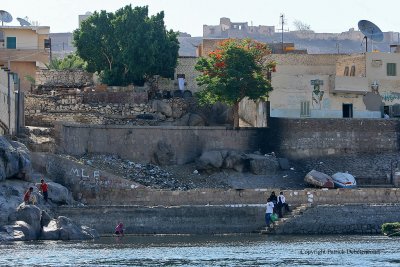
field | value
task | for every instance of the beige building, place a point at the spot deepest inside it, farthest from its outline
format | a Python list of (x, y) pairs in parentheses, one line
[(336, 86), (23, 49)]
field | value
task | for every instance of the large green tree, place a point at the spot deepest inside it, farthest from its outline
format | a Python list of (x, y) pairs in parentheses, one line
[(235, 70), (127, 46)]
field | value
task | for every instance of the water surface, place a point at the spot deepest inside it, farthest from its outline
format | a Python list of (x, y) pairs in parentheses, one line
[(232, 250)]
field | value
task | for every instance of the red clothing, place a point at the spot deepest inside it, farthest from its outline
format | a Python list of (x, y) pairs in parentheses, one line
[(27, 196), (43, 187)]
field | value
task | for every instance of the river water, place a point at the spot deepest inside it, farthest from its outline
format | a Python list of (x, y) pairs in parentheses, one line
[(225, 250)]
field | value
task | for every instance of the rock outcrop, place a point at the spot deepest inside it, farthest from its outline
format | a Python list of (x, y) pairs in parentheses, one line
[(14, 159), (35, 224), (216, 160)]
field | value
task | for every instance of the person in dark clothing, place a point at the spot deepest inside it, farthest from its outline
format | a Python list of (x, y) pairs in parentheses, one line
[(274, 200), (282, 204)]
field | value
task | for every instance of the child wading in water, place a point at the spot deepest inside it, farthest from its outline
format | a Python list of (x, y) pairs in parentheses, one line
[(119, 230)]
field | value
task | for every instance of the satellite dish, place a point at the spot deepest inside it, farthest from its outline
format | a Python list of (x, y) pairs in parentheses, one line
[(23, 22), (371, 31), (5, 17)]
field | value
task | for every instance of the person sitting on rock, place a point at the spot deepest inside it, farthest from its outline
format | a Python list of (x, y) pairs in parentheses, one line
[(282, 204), (27, 196), (119, 230)]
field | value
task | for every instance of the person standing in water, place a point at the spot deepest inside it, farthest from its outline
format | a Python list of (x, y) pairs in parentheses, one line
[(119, 230)]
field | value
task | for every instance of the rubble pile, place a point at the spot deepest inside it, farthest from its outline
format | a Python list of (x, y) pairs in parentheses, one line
[(146, 174)]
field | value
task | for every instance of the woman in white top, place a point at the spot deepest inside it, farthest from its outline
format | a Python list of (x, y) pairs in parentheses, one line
[(269, 211)]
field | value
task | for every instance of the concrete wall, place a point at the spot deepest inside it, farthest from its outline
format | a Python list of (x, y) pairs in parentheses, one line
[(343, 219), (24, 69), (140, 143), (221, 219), (358, 61), (7, 103), (303, 138), (292, 138), (254, 112), (170, 220)]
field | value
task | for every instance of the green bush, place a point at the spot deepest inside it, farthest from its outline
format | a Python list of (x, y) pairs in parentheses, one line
[(391, 228)]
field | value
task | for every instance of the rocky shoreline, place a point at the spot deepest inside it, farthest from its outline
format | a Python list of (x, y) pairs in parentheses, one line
[(21, 222)]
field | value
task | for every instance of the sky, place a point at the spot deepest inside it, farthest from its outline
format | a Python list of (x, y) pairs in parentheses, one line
[(190, 15)]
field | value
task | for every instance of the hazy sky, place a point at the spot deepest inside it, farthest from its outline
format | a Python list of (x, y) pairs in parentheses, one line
[(190, 15)]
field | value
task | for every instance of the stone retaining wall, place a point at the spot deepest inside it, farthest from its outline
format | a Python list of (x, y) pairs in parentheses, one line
[(63, 78), (323, 219), (140, 143), (170, 220), (106, 107), (97, 187), (303, 138), (291, 138), (343, 219)]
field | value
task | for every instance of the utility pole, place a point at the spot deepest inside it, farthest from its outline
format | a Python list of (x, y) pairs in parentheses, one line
[(282, 23)]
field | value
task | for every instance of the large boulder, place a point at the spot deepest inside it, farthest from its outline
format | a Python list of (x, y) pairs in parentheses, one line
[(59, 194), (72, 231), (29, 214), (162, 107), (10, 233), (24, 158), (234, 160), (14, 159), (50, 231), (164, 154), (211, 160), (30, 233), (190, 119), (262, 165)]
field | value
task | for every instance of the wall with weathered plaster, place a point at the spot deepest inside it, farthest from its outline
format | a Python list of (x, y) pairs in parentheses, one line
[(170, 220), (299, 138), (221, 219), (7, 103), (342, 219), (140, 143), (292, 138)]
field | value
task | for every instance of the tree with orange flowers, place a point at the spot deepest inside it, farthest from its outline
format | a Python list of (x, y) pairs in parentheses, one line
[(235, 70)]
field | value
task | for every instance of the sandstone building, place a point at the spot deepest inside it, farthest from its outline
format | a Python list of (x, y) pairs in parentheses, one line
[(23, 49)]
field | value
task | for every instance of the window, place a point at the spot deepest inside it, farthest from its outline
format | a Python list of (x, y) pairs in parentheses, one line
[(347, 110), (346, 71), (353, 71), (11, 42), (305, 109), (391, 69)]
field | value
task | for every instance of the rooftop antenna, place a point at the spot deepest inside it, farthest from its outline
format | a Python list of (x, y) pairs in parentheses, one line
[(24, 22), (282, 22), (5, 17), (371, 31)]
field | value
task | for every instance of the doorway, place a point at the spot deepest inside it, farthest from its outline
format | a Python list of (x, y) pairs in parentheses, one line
[(347, 110)]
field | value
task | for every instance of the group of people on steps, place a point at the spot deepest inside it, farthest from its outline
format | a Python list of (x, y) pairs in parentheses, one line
[(275, 205)]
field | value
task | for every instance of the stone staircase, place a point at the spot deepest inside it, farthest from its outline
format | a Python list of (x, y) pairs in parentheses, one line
[(277, 226)]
